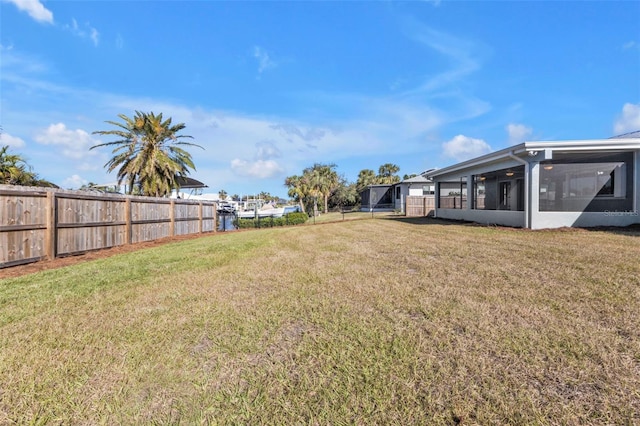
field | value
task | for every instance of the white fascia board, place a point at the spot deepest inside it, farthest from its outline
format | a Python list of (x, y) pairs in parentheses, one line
[(547, 148), (474, 162), (583, 145)]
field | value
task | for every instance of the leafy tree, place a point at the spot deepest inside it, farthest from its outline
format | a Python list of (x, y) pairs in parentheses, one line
[(267, 196), (148, 153), (345, 195), (405, 177)]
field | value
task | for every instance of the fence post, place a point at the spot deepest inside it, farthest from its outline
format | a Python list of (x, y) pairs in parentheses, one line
[(172, 218), (200, 226), (50, 232), (128, 230)]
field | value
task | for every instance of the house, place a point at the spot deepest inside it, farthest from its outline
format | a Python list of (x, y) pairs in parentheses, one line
[(417, 186), (390, 197), (538, 185), (377, 198)]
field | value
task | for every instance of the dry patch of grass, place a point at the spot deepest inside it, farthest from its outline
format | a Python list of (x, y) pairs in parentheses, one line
[(360, 322)]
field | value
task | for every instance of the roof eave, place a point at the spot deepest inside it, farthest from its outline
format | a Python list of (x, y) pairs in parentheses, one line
[(527, 147)]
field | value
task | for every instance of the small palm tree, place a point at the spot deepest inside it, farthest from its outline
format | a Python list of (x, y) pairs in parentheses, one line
[(366, 177), (296, 189), (148, 153), (387, 174), (14, 170)]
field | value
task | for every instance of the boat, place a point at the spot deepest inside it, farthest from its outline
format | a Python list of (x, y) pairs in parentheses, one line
[(260, 210)]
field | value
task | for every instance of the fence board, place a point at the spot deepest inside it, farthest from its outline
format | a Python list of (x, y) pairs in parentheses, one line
[(418, 206), (38, 223)]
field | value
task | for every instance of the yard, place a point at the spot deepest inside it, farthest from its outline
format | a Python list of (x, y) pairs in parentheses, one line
[(373, 321)]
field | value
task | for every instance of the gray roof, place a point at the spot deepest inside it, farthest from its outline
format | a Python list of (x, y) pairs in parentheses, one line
[(629, 135), (417, 179)]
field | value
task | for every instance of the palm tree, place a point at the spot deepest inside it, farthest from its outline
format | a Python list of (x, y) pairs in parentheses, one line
[(366, 177), (296, 190), (387, 174), (148, 153), (222, 194), (329, 182), (312, 181), (14, 170)]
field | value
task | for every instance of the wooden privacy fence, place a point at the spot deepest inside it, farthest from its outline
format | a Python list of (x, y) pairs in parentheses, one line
[(420, 205), (44, 223)]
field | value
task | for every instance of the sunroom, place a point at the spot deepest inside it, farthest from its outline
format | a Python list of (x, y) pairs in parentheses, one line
[(545, 185)]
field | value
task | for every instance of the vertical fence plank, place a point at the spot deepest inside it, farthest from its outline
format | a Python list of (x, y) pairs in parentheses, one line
[(66, 222), (128, 238), (50, 230), (172, 218)]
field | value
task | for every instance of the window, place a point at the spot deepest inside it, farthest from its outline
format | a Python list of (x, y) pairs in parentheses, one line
[(499, 190), (505, 195), (453, 195), (586, 184), (398, 192), (428, 189)]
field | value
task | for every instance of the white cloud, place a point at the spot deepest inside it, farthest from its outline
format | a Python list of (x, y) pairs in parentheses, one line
[(267, 150), (463, 148), (629, 120), (518, 133), (74, 182), (12, 141), (264, 61), (631, 45), (87, 31), (260, 169), (35, 9), (75, 144), (94, 36), (463, 54), (119, 41)]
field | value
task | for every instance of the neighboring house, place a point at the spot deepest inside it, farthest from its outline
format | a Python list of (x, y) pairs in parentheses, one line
[(377, 198), (394, 197), (416, 186), (538, 185)]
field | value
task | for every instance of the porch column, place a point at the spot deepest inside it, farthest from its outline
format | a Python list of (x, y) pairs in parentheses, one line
[(534, 195), (469, 191)]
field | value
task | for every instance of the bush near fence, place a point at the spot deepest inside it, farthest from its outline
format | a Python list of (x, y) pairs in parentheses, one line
[(269, 222)]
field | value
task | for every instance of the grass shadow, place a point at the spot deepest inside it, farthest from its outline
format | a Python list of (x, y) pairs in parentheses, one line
[(629, 231)]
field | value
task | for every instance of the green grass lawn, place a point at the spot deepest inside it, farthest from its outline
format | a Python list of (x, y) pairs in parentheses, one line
[(378, 321)]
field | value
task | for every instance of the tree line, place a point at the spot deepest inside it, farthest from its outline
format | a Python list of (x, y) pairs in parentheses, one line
[(321, 182), (149, 156)]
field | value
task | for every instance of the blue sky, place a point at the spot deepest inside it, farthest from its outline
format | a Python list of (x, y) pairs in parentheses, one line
[(269, 88)]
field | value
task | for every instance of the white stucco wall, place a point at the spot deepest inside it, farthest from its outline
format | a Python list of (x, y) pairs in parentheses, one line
[(534, 218), (488, 217)]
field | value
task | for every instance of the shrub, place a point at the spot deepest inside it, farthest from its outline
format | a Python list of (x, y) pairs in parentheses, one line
[(268, 222)]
